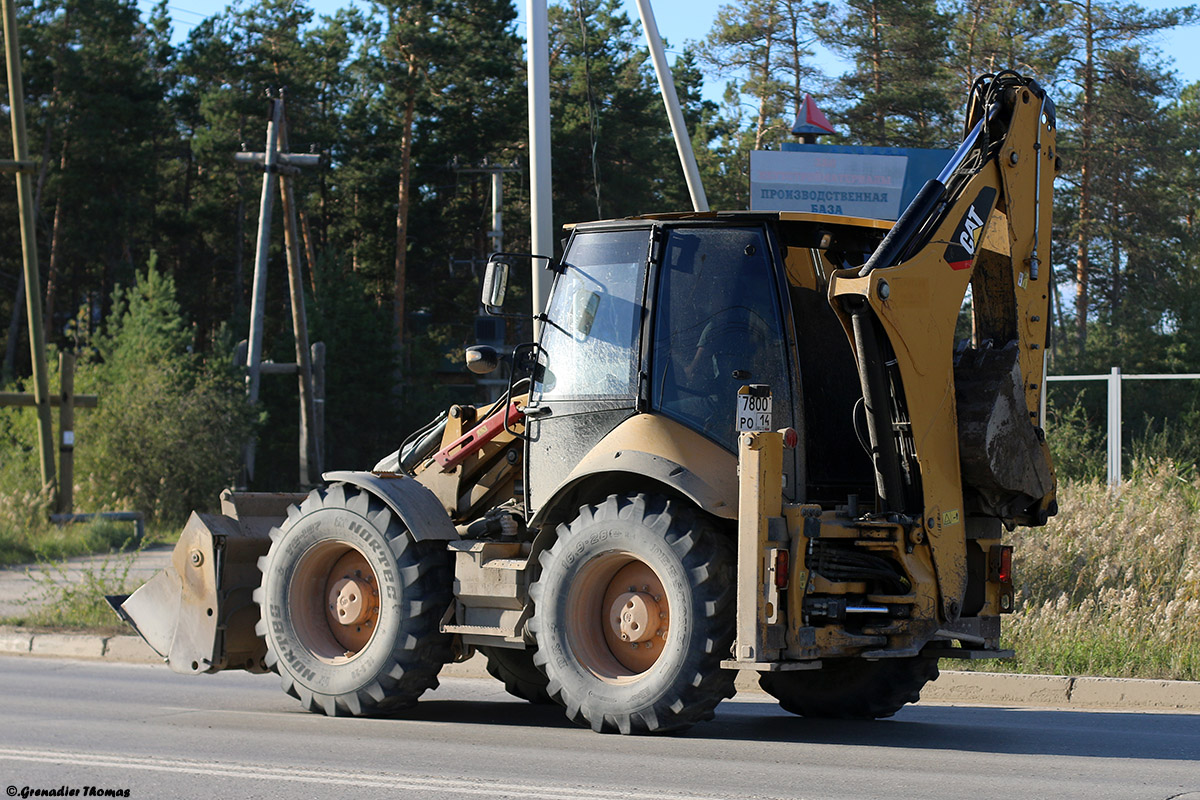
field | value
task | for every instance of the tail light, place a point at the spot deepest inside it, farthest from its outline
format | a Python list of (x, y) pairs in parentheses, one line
[(782, 567), (1001, 572), (1000, 563), (1005, 571)]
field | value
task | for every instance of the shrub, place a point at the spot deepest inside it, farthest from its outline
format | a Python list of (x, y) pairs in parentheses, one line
[(169, 432), (1077, 444)]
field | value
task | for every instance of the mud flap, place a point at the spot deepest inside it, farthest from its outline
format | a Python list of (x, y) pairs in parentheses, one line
[(199, 613)]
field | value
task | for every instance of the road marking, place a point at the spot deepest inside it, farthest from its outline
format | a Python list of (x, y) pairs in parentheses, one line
[(335, 777)]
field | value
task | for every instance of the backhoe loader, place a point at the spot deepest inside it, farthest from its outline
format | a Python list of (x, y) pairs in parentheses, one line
[(788, 443)]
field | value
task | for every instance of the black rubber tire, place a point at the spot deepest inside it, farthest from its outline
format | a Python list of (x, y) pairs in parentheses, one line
[(695, 566), (851, 688), (516, 670), (403, 656)]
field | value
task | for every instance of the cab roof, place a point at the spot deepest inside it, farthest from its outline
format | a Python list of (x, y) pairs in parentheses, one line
[(796, 228)]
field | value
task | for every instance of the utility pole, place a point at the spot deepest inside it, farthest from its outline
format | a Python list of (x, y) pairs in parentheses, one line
[(496, 234), (33, 306), (666, 85), (304, 372), (284, 165), (541, 218)]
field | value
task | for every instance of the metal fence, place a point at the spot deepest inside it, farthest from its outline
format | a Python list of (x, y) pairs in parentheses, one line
[(1114, 379)]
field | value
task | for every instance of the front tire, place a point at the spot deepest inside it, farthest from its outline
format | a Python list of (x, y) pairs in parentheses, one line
[(851, 688), (633, 613), (351, 606)]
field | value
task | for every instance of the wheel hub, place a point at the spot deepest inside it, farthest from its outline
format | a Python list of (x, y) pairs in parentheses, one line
[(347, 598), (352, 601), (634, 617)]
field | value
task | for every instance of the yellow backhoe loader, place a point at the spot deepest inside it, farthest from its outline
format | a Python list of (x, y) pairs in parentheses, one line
[(742, 441)]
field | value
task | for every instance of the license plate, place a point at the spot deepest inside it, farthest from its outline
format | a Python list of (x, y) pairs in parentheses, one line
[(753, 409)]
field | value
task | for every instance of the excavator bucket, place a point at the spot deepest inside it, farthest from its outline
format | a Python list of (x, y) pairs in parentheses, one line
[(199, 613)]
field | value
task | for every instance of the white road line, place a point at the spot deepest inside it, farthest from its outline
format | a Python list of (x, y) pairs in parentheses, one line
[(333, 777)]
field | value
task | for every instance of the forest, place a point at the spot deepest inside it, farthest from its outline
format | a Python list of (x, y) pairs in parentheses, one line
[(146, 225)]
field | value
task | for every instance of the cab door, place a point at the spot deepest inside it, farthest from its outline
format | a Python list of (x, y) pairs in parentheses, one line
[(591, 354), (718, 326)]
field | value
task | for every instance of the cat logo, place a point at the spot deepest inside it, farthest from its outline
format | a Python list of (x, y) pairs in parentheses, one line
[(961, 252)]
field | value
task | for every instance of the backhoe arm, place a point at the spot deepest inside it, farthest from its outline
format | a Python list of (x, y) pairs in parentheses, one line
[(953, 434)]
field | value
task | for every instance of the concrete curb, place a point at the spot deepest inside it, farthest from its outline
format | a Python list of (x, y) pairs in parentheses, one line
[(968, 688)]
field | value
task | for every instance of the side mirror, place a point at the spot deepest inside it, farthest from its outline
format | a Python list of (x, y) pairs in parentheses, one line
[(495, 285), (482, 359)]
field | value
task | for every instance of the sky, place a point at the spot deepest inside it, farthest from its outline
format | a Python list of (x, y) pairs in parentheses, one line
[(680, 21)]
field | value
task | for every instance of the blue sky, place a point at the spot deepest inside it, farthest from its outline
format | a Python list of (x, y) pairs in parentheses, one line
[(683, 20)]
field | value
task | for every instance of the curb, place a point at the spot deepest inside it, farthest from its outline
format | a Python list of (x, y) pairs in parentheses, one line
[(965, 688), (128, 649)]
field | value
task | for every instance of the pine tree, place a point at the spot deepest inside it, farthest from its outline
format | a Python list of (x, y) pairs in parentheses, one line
[(896, 94), (167, 437), (1100, 30), (613, 153), (986, 36)]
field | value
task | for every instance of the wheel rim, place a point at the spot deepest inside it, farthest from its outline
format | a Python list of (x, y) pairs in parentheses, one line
[(334, 601), (619, 617)]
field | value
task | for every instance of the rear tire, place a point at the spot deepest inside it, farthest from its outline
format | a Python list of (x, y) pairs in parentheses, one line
[(516, 670), (851, 688), (633, 613), (351, 606)]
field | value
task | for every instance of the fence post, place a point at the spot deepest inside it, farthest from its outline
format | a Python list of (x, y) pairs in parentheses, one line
[(1114, 427), (66, 427)]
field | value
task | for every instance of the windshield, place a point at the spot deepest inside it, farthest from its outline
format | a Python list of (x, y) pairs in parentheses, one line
[(595, 316)]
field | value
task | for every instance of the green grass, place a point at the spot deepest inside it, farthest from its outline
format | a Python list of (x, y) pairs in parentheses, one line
[(65, 604), (27, 536)]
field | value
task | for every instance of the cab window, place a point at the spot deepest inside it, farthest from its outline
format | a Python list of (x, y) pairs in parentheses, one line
[(595, 314), (717, 328)]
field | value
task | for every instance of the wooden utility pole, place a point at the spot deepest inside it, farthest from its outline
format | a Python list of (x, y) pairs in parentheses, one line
[(33, 309), (66, 401), (304, 373), (284, 165), (258, 294)]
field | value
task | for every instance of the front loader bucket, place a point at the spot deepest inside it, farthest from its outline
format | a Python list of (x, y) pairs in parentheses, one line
[(199, 613)]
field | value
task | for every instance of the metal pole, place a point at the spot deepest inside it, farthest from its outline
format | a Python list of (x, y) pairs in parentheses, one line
[(258, 298), (33, 281), (1114, 427), (66, 426), (497, 232), (666, 84), (541, 220)]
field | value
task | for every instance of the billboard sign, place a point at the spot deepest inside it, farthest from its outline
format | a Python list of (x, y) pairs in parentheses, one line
[(872, 182)]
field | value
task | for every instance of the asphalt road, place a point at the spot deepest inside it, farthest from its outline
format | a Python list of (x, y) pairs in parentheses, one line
[(147, 731)]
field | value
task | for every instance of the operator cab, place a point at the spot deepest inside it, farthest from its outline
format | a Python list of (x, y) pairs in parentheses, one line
[(673, 316)]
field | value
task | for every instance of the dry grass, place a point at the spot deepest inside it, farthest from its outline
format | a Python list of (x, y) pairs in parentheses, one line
[(1111, 586)]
